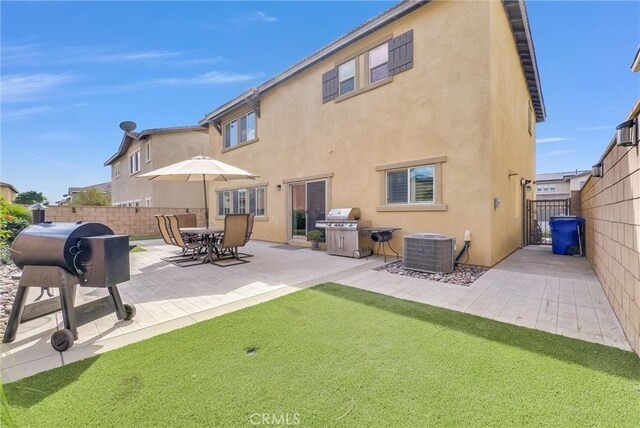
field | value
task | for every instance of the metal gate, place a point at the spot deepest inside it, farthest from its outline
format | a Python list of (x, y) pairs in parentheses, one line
[(537, 227)]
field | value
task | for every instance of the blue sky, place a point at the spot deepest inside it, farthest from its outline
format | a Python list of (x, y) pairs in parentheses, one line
[(71, 72)]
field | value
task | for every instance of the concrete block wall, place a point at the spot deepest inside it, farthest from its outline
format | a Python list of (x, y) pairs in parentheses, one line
[(576, 203), (611, 207), (122, 220)]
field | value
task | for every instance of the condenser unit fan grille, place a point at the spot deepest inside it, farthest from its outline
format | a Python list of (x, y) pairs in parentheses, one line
[(428, 252)]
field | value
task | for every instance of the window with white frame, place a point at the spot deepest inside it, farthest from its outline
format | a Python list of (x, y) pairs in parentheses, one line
[(240, 130), (116, 170), (413, 185), (147, 150), (147, 202), (134, 162), (347, 77), (378, 63), (242, 201)]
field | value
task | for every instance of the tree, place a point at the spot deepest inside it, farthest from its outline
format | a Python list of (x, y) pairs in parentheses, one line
[(91, 197), (30, 197)]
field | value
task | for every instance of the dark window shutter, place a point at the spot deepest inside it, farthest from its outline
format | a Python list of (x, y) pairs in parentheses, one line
[(329, 85), (401, 53)]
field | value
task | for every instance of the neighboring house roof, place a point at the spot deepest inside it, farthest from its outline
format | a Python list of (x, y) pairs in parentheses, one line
[(635, 66), (130, 137), (560, 176), (516, 12), (102, 187), (10, 186)]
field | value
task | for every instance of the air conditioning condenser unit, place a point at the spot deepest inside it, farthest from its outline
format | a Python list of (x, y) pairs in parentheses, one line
[(429, 252)]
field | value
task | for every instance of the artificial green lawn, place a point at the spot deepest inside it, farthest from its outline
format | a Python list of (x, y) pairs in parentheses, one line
[(338, 356)]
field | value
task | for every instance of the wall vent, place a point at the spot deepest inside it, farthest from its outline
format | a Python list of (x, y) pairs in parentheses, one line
[(429, 252)]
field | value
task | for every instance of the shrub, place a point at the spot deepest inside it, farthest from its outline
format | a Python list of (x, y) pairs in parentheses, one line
[(5, 254), (13, 218)]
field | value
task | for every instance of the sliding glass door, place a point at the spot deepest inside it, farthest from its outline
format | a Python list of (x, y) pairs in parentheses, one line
[(308, 204)]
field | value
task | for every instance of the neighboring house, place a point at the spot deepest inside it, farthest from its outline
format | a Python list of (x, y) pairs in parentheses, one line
[(635, 65), (423, 117), (72, 193), (8, 192), (149, 150), (559, 185)]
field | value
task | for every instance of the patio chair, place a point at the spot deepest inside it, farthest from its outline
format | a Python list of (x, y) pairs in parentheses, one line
[(164, 231), (195, 246), (249, 232), (187, 220), (236, 227)]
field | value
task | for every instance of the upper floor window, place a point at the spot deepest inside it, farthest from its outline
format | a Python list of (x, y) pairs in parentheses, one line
[(134, 162), (382, 60), (147, 149), (240, 130), (347, 77), (410, 185), (378, 63), (116, 170)]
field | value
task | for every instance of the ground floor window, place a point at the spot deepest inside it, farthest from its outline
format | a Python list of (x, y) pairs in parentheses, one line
[(410, 185), (242, 201)]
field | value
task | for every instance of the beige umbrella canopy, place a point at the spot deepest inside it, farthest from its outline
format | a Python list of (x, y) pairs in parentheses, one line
[(199, 168)]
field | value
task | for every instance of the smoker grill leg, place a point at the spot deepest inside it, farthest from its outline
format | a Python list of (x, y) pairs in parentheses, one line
[(67, 298), (16, 315), (121, 312)]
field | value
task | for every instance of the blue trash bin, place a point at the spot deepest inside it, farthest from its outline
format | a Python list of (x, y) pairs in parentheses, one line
[(567, 235)]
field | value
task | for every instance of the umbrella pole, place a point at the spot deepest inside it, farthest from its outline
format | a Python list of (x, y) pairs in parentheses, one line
[(206, 205)]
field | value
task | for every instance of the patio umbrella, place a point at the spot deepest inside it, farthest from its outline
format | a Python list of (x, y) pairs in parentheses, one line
[(199, 168)]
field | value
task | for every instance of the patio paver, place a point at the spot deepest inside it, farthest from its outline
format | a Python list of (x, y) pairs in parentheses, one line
[(530, 288)]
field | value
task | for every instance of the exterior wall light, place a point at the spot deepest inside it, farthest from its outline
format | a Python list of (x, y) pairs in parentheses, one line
[(278, 187), (627, 133), (596, 170)]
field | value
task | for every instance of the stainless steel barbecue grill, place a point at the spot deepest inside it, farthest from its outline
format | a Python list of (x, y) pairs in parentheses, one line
[(63, 255), (344, 233)]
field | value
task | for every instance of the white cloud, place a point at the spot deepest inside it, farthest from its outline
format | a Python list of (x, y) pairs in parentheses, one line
[(558, 153), (211, 78), (551, 140), (24, 87), (255, 17), (263, 17), (131, 56), (23, 114), (597, 128)]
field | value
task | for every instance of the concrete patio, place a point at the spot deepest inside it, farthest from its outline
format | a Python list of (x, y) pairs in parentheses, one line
[(531, 288)]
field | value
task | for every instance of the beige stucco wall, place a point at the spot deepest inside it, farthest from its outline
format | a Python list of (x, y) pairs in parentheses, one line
[(166, 149), (441, 107), (512, 137), (611, 207)]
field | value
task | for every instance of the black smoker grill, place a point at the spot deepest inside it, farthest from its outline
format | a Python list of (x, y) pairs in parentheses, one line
[(63, 255)]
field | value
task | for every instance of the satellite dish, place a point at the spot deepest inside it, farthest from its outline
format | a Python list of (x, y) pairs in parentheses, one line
[(128, 126)]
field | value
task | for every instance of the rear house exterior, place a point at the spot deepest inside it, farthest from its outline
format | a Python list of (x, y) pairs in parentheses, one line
[(423, 117), (145, 151)]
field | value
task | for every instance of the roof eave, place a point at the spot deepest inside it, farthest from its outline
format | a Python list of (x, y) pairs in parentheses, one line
[(635, 65), (519, 21)]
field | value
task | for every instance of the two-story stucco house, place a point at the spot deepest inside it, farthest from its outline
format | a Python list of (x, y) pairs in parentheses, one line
[(559, 185), (423, 117), (145, 151)]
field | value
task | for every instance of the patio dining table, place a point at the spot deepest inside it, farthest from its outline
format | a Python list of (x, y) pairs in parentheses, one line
[(209, 233)]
